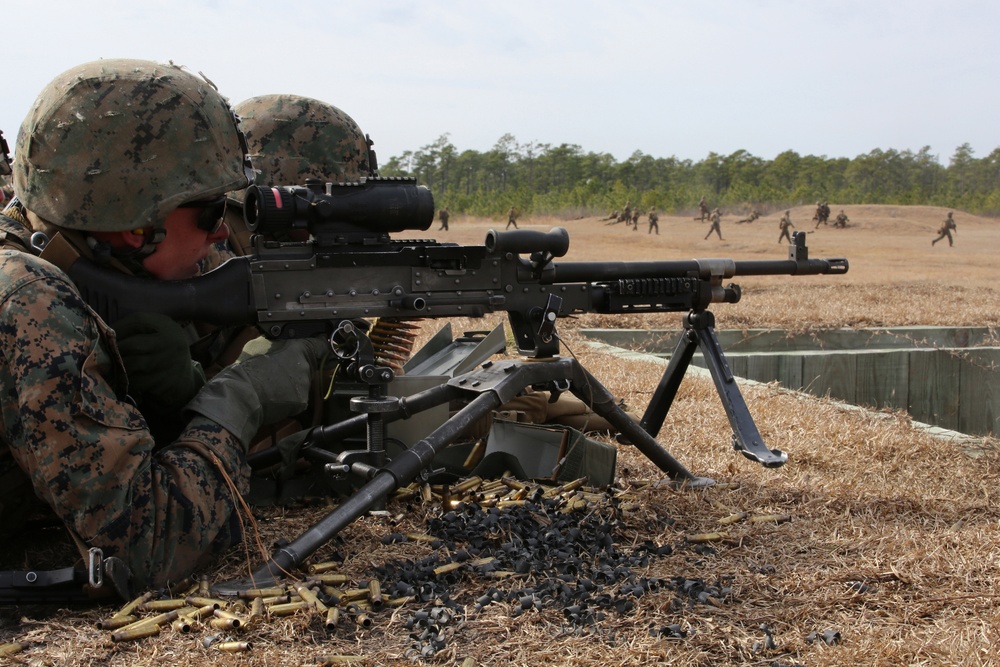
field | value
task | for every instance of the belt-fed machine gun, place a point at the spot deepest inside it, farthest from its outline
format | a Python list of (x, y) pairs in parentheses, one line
[(323, 258)]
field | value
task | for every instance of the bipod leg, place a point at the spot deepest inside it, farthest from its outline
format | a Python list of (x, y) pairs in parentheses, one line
[(589, 390), (666, 391), (746, 438)]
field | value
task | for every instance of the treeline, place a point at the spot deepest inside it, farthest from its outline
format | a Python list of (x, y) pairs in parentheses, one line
[(564, 180)]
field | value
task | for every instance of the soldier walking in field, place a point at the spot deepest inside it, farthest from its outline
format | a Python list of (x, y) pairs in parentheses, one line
[(822, 213), (635, 219), (716, 219), (511, 218), (703, 209), (443, 216), (654, 221), (784, 225), (946, 229)]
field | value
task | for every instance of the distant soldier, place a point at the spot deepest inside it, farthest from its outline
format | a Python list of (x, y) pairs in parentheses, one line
[(784, 225), (946, 229), (443, 216), (626, 216), (822, 213), (841, 220), (716, 219), (613, 216), (703, 208), (511, 218), (654, 221), (750, 218), (635, 219)]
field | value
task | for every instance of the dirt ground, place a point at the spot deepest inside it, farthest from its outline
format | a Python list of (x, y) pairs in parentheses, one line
[(876, 543)]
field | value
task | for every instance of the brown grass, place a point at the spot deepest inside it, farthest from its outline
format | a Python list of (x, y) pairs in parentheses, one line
[(893, 538)]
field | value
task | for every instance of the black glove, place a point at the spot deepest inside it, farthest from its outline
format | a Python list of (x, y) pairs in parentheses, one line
[(154, 349)]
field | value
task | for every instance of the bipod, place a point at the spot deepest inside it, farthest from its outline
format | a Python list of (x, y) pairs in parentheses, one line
[(699, 331), (482, 390)]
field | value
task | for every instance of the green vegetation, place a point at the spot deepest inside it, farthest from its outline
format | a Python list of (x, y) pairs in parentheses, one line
[(564, 180)]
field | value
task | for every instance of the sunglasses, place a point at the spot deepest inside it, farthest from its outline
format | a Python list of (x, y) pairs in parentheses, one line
[(211, 214)]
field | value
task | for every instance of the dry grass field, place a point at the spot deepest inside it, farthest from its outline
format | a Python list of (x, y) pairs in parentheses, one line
[(890, 550)]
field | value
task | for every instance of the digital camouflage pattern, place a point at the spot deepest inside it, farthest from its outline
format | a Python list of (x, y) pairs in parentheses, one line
[(163, 508), (293, 138), (173, 138)]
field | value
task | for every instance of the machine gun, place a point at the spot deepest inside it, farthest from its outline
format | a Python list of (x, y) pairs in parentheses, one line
[(348, 268)]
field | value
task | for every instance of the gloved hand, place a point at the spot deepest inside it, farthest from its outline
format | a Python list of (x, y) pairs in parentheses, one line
[(157, 361), (269, 382)]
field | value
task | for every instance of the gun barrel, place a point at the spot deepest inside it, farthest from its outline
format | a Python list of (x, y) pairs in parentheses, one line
[(569, 272)]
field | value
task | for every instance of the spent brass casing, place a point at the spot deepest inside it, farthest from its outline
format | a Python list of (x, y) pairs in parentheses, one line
[(235, 647), (137, 632), (116, 622), (131, 606), (182, 624), (287, 609), (224, 623), (446, 568), (354, 594), (732, 518), (163, 605), (332, 617), (199, 601), (331, 660), (770, 518), (467, 485), (251, 593), (204, 590), (201, 613), (700, 538), (284, 598), (330, 578), (256, 608), (319, 568), (375, 593), (10, 649)]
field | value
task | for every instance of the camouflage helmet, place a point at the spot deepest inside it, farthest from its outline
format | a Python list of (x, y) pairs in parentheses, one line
[(293, 138), (115, 145)]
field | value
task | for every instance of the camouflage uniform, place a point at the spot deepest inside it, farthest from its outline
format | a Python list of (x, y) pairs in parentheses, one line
[(654, 221), (635, 219), (784, 225), (162, 507), (511, 218), (841, 220), (716, 226), (750, 218), (443, 216), (703, 209), (946, 230)]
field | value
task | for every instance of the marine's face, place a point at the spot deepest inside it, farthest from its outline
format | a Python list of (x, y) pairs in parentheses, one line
[(186, 245)]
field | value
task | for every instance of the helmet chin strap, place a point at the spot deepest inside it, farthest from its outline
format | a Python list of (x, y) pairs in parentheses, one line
[(130, 257)]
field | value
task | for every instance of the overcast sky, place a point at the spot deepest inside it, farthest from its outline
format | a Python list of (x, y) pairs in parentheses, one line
[(669, 78)]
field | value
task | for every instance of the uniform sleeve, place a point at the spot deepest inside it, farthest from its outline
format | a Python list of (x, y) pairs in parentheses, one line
[(161, 507)]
